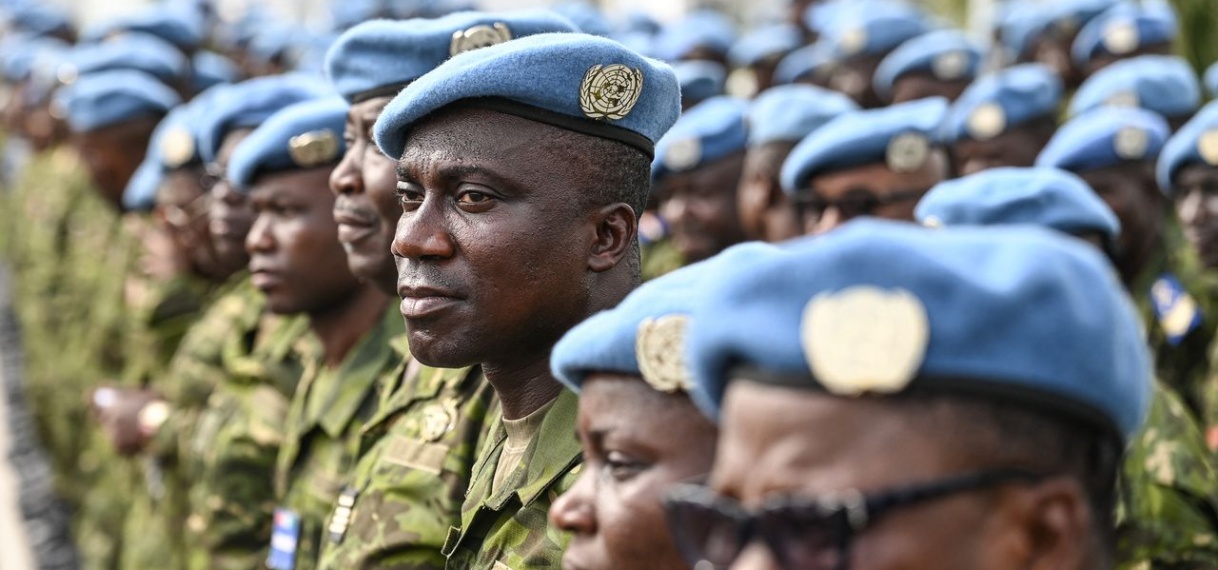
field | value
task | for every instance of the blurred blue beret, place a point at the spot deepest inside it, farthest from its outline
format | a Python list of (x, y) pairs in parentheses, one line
[(817, 60), (880, 307), (699, 29), (18, 60), (788, 113), (577, 82), (765, 43), (211, 69), (999, 101), (137, 51), (901, 135), (273, 43), (586, 17), (380, 57), (39, 19), (946, 55), (350, 13), (1103, 138), (639, 336), (1024, 21), (247, 104), (102, 99), (1125, 28), (699, 79), (1164, 84), (1195, 143), (180, 25), (640, 21), (174, 145), (140, 193), (1046, 197), (1211, 80), (874, 27), (301, 136), (709, 131)]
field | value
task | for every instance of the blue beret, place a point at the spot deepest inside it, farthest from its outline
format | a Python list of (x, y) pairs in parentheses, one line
[(180, 25), (1045, 197), (700, 79), (1211, 80), (699, 29), (300, 136), (1124, 28), (39, 19), (817, 59), (211, 69), (106, 98), (1025, 21), (638, 20), (379, 57), (710, 130), (139, 52), (630, 338), (247, 104), (574, 81), (865, 137), (884, 307), (947, 55), (1101, 138), (274, 42), (788, 113), (587, 18), (20, 59), (1164, 84), (873, 27), (1195, 143), (767, 42), (999, 101)]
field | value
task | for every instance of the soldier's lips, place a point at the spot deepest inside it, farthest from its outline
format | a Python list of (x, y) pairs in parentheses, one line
[(264, 279), (354, 225), (422, 301)]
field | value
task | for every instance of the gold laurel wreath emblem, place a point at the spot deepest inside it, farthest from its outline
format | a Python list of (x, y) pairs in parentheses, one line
[(660, 347), (313, 148), (610, 92)]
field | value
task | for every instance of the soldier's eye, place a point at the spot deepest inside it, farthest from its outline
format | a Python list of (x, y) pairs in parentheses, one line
[(620, 467)]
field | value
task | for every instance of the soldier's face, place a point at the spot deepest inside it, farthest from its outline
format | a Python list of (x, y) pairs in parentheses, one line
[(181, 211), (493, 243), (230, 214), (366, 208), (787, 446), (920, 86), (638, 443), (1197, 205), (1016, 147), (1131, 193), (295, 257), (766, 213), (700, 207), (870, 190), (112, 154)]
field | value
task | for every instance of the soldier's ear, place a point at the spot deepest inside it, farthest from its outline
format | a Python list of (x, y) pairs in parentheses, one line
[(615, 229), (1043, 526)]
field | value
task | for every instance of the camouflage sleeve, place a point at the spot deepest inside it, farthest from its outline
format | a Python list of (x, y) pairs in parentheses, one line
[(232, 501), (1166, 516)]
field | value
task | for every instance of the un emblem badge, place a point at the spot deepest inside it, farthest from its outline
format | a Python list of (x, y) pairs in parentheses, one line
[(659, 347), (313, 148), (479, 37), (610, 92), (177, 148)]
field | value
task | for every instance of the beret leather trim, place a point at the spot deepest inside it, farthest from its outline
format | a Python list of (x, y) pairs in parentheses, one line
[(563, 121)]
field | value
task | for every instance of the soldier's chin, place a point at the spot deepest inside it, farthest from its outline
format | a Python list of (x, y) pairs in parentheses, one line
[(440, 350)]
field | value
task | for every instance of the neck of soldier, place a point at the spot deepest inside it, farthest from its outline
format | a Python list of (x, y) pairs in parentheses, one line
[(524, 384), (341, 325)]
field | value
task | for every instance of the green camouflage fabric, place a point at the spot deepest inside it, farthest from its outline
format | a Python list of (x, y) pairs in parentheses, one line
[(1167, 513), (660, 257), (323, 430), (416, 457), (509, 529), (154, 535), (238, 434)]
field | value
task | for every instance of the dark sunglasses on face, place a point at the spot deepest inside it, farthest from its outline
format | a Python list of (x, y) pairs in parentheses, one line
[(802, 533), (182, 216), (854, 203)]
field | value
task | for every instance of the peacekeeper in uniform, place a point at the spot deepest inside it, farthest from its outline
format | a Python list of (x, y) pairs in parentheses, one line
[(1167, 496), (1004, 118), (754, 56), (1115, 151), (696, 173), (939, 63), (876, 162), (415, 457), (522, 170), (298, 262), (640, 432), (1187, 173), (1165, 84), (1125, 30), (778, 119), (872, 417)]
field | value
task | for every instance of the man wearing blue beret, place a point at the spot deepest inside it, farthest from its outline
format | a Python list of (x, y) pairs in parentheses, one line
[(1165, 84), (941, 63), (401, 516), (1004, 118), (861, 34), (1127, 29), (872, 417), (695, 174), (522, 170), (876, 162), (778, 119)]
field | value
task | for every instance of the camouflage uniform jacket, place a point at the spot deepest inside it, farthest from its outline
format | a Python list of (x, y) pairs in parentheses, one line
[(323, 426), (660, 257), (414, 466), (236, 441), (1167, 515), (509, 528)]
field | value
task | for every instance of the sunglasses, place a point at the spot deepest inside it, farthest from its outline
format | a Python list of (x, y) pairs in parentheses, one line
[(855, 203), (180, 216), (803, 533)]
